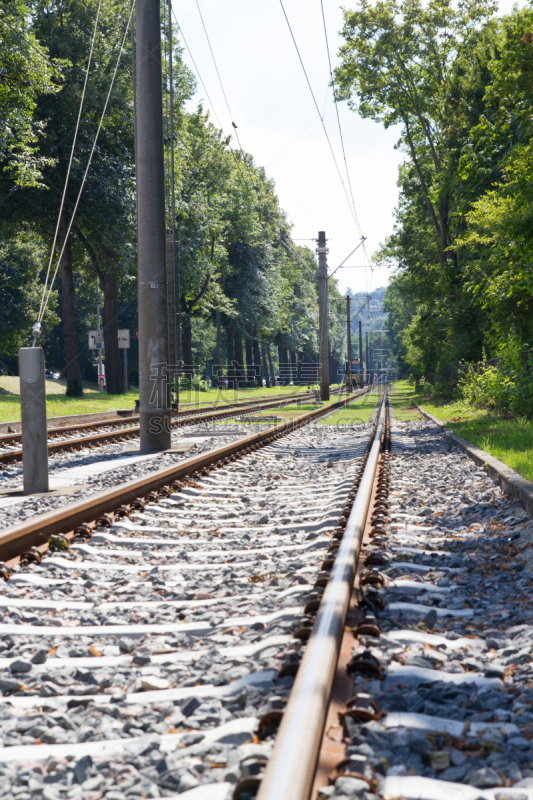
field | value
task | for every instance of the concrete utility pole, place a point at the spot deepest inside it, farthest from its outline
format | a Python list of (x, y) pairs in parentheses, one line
[(98, 328), (33, 417), (349, 332), (154, 394), (173, 276), (323, 315), (367, 361), (172, 306), (360, 353)]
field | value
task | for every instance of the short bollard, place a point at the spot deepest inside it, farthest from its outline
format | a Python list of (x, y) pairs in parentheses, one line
[(33, 416)]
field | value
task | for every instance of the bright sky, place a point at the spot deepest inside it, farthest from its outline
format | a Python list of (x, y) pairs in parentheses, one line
[(277, 121)]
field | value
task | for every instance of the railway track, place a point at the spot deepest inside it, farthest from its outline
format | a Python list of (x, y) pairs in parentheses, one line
[(155, 656), (319, 616), (63, 439), (432, 697), (187, 410)]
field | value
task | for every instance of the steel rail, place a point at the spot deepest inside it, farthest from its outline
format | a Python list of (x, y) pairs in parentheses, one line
[(291, 769), (34, 533), (12, 456), (120, 422)]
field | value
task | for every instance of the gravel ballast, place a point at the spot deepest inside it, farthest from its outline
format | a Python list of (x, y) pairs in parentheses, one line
[(455, 695), (140, 663)]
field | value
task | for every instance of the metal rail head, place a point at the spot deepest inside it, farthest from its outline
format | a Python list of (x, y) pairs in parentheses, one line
[(36, 531), (291, 769)]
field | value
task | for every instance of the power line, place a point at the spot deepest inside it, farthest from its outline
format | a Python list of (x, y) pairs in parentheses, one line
[(196, 69), (84, 178), (20, 33), (291, 143), (352, 210), (338, 116), (74, 140), (220, 80), (347, 257), (207, 93)]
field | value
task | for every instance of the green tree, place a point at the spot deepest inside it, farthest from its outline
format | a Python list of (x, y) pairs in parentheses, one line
[(496, 171), (21, 260), (26, 72)]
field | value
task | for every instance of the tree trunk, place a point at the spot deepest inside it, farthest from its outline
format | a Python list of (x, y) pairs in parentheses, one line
[(231, 356), (285, 371), (257, 362), (280, 363), (68, 323), (294, 369), (250, 371), (299, 369), (239, 358), (186, 344), (113, 368), (272, 373), (219, 354), (265, 368)]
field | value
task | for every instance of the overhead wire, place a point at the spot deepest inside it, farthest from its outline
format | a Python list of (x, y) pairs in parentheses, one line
[(347, 257), (26, 38), (352, 210), (71, 158), (84, 178), (338, 115), (196, 68), (292, 142), (220, 81)]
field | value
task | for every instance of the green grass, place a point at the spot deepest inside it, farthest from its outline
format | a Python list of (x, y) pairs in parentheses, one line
[(509, 440), (58, 404), (358, 411), (402, 398)]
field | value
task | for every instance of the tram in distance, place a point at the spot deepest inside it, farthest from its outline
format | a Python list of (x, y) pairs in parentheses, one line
[(355, 371)]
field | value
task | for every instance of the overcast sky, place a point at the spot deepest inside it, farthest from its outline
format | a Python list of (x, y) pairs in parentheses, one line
[(277, 121)]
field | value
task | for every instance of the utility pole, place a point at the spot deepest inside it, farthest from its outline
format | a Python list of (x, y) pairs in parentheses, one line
[(323, 315), (173, 282), (154, 405), (367, 361), (360, 353), (349, 332), (98, 328)]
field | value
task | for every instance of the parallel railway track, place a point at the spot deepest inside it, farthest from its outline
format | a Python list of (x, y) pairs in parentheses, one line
[(124, 429)]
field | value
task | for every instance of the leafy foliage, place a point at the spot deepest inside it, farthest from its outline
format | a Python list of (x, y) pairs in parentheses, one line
[(459, 83)]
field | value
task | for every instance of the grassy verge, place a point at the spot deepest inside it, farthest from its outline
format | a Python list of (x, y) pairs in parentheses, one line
[(509, 440), (58, 404), (358, 411)]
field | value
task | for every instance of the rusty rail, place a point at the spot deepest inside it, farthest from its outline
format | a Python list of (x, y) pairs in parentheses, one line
[(125, 432), (291, 769), (35, 533)]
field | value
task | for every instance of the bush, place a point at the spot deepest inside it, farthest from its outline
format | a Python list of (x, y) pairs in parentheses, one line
[(442, 390), (505, 387), (193, 383)]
